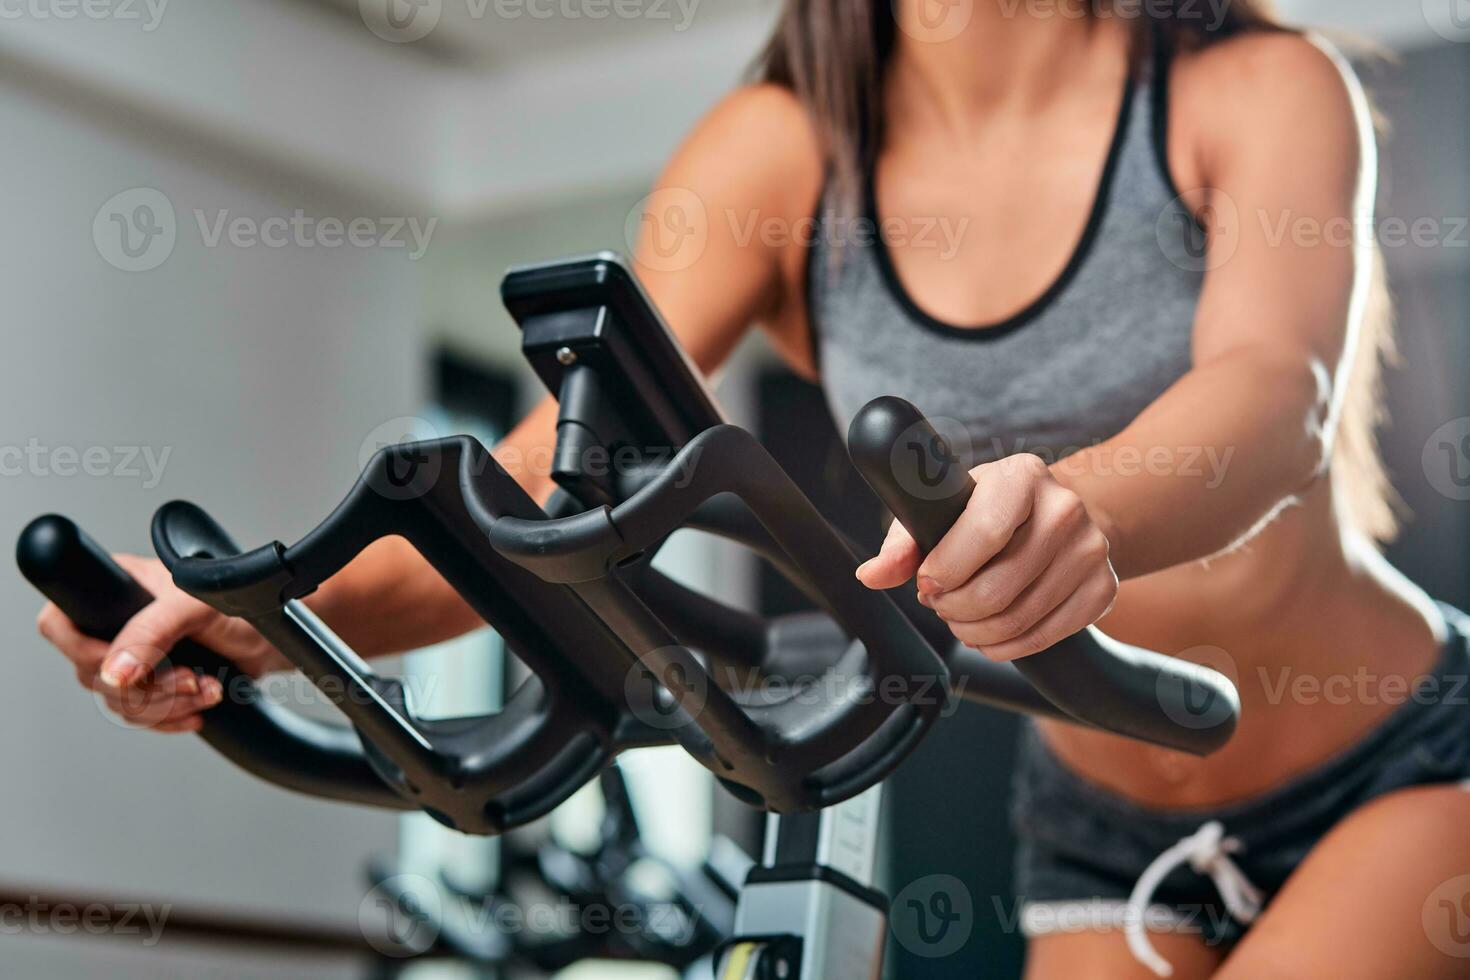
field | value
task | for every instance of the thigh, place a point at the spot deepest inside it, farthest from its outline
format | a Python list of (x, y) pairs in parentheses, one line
[(1105, 956), (1385, 895)]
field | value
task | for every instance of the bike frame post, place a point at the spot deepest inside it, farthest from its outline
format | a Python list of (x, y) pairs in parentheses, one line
[(809, 911)]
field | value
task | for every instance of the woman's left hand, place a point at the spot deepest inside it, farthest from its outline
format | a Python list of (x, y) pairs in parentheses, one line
[(1024, 567)]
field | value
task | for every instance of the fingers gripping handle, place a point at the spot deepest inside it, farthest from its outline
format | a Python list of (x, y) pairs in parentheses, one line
[(69, 568), (1091, 677), (73, 571)]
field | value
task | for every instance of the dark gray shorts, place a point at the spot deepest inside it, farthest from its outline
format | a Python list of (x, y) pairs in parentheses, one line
[(1082, 848)]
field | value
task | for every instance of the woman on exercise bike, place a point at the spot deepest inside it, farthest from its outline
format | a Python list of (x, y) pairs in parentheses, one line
[(1088, 252)]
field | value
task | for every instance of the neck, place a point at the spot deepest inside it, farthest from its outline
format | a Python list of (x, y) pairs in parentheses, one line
[(958, 60)]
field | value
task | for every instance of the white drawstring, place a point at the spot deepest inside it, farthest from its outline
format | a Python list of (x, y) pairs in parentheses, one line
[(1207, 850)]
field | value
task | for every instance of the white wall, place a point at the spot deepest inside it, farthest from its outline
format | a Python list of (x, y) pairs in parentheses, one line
[(260, 371)]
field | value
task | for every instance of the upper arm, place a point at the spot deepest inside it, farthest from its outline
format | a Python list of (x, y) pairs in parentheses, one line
[(1285, 147), (711, 248)]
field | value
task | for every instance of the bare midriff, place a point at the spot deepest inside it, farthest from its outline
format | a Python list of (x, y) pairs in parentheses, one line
[(1322, 637)]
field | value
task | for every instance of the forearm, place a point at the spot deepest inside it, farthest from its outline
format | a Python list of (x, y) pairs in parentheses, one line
[(527, 451), (1209, 462), (390, 599)]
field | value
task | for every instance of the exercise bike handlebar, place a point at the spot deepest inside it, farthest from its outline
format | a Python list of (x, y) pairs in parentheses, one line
[(607, 641), (269, 741), (1092, 678)]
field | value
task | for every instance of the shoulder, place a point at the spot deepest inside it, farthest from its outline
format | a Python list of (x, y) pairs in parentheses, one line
[(1271, 71), (748, 175), (765, 108), (758, 140), (1285, 94)]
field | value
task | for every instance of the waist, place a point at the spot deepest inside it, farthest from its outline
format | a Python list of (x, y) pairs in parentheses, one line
[(1318, 666), (1425, 721)]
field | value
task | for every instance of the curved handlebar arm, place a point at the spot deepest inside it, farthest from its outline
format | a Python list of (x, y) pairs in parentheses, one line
[(482, 774), (793, 641), (1091, 677), (824, 740), (263, 738)]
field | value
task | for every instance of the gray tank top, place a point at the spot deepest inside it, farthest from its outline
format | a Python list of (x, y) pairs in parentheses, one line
[(1073, 368)]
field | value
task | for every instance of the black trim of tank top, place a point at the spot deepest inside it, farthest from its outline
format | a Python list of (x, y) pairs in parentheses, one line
[(1159, 82), (813, 328), (994, 331)]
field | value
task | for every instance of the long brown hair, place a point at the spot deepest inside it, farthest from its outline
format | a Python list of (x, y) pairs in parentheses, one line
[(833, 55)]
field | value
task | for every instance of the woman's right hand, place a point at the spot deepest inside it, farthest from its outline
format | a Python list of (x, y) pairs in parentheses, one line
[(122, 672)]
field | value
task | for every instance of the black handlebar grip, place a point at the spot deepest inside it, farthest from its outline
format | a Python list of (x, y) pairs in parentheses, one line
[(265, 739), (911, 468), (69, 568), (1094, 679)]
